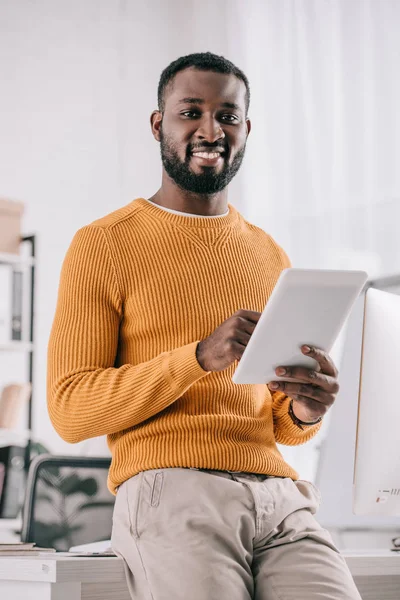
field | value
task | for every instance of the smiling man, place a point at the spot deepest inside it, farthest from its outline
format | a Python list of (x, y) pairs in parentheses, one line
[(191, 161), (157, 302)]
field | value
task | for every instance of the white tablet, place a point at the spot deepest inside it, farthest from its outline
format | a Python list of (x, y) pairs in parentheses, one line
[(307, 306)]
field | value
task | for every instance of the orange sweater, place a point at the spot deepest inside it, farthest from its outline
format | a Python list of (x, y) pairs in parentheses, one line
[(139, 289)]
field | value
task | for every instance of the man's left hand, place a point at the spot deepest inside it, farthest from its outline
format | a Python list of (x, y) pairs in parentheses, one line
[(316, 395)]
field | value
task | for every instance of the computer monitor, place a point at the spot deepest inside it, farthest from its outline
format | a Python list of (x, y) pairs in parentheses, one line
[(376, 481), (336, 442)]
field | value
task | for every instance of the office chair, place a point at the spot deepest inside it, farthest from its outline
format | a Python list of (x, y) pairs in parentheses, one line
[(67, 502)]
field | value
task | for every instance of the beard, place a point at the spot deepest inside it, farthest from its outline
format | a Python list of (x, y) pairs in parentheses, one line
[(209, 181)]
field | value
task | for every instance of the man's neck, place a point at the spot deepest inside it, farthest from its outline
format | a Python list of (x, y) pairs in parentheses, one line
[(171, 196)]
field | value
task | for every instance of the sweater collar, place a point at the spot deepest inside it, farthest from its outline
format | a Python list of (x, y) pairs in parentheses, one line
[(183, 220)]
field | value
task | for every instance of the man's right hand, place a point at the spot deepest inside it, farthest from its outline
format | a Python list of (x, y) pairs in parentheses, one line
[(228, 342)]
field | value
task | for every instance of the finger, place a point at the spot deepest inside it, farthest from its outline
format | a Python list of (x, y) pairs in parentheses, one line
[(245, 325), (238, 350), (250, 315), (242, 337), (326, 382), (303, 391), (324, 360)]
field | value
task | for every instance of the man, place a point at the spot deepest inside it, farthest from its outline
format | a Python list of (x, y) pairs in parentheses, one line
[(157, 303)]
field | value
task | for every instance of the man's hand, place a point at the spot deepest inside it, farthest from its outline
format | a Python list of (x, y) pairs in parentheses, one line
[(228, 342), (316, 395)]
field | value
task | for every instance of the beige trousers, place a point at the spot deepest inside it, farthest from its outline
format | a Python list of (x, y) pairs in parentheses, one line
[(190, 534)]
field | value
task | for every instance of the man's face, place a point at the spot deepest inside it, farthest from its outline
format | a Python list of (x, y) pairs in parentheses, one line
[(203, 130)]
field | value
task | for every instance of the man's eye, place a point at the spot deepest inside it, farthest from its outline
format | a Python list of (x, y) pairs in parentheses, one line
[(229, 118), (190, 114)]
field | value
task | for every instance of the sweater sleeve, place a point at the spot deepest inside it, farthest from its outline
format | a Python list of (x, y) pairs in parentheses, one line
[(286, 432), (86, 395)]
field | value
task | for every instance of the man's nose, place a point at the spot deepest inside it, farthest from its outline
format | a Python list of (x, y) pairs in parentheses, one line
[(210, 130)]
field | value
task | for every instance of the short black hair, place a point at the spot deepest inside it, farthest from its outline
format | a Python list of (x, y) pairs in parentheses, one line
[(203, 61)]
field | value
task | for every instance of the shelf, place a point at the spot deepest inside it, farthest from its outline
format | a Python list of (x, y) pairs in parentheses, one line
[(21, 432), (15, 259), (16, 346), (14, 437)]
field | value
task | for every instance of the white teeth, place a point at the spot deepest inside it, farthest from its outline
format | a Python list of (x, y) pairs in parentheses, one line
[(207, 154)]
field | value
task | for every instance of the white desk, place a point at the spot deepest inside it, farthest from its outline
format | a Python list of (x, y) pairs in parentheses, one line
[(377, 575), (62, 578)]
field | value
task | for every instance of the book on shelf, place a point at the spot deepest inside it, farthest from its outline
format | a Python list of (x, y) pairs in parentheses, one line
[(16, 305), (2, 477), (11, 304), (5, 303)]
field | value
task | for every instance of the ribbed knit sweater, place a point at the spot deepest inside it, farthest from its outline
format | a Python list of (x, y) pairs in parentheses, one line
[(139, 289)]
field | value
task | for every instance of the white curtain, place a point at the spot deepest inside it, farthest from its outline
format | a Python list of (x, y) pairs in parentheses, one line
[(322, 171), (322, 168)]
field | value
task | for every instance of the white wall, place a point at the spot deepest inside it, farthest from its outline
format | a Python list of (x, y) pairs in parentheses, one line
[(79, 82)]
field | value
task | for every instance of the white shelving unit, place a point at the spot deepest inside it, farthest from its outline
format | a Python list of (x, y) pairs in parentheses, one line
[(26, 264), (12, 351)]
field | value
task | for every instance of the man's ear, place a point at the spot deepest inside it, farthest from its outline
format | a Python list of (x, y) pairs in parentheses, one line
[(155, 122), (248, 126)]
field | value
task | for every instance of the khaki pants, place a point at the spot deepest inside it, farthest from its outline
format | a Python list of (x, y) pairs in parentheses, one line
[(190, 534)]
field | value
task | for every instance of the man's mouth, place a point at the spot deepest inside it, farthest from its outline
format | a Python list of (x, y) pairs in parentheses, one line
[(208, 158), (209, 155)]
